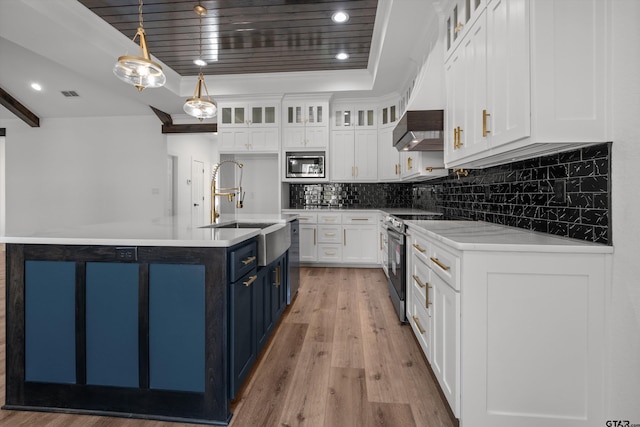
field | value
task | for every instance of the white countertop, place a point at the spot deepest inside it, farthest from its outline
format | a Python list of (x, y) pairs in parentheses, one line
[(396, 211), (167, 231), (484, 236)]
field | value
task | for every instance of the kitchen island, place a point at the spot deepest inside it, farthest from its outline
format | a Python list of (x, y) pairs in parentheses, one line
[(153, 320)]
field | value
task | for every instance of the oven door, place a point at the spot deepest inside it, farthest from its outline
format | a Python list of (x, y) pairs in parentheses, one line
[(396, 269)]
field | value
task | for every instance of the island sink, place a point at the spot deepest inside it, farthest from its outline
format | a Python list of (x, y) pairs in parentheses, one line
[(274, 238)]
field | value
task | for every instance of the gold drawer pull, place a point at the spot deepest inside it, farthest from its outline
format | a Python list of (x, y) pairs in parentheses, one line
[(427, 303), (329, 219), (359, 219), (250, 281), (485, 131), (277, 281), (418, 281), (420, 328), (417, 246), (248, 260), (439, 264), (329, 234), (329, 253)]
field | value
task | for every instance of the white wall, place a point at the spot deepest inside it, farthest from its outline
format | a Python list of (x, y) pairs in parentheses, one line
[(2, 195), (189, 147), (75, 171), (624, 318)]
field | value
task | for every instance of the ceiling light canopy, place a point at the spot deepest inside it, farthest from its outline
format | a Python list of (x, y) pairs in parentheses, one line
[(342, 56), (197, 106), (36, 86), (340, 17), (140, 71)]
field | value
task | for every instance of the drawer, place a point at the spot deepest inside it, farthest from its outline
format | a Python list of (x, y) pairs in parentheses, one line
[(330, 253), (307, 218), (356, 218), (420, 280), (445, 264), (420, 321), (242, 260), (419, 246), (329, 234), (329, 218)]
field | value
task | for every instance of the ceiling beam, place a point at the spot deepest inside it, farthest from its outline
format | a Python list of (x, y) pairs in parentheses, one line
[(169, 127), (22, 112)]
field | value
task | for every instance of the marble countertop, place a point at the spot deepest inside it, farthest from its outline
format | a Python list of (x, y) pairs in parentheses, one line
[(484, 236), (396, 211), (167, 231)]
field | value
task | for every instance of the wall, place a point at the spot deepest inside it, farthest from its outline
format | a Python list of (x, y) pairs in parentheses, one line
[(522, 194), (623, 371), (186, 148), (75, 171), (2, 186), (260, 183)]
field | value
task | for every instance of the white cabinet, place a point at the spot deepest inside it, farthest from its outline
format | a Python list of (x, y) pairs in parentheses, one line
[(348, 116), (388, 157), (360, 238), (249, 126), (540, 67), (492, 316), (305, 123), (462, 14), (338, 238), (308, 237), (354, 155), (421, 165)]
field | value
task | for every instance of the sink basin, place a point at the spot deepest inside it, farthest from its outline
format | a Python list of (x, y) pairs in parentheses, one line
[(274, 238)]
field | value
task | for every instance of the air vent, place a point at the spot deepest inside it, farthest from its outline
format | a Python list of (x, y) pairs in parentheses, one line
[(69, 93)]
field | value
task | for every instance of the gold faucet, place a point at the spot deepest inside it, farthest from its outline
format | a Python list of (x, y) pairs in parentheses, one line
[(229, 194)]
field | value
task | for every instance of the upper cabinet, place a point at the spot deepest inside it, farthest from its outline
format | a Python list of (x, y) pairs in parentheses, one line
[(462, 14), (524, 79), (349, 116), (305, 123), (249, 126)]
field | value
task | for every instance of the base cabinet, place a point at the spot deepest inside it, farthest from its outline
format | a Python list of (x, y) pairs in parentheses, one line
[(515, 333)]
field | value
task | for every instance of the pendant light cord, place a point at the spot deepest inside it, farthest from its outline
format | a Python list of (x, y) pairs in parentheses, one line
[(140, 14), (200, 16)]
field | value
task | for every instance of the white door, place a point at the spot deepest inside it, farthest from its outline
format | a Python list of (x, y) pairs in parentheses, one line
[(170, 194), (197, 193)]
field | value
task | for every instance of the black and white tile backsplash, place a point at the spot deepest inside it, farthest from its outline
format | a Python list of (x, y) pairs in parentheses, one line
[(526, 194)]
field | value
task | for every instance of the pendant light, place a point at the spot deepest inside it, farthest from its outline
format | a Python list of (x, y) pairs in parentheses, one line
[(140, 71), (197, 106)]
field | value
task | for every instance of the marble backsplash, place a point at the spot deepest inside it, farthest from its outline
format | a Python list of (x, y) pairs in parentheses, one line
[(566, 194)]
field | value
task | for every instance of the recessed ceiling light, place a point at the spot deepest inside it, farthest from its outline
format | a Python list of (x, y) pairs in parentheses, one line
[(340, 17), (36, 86), (342, 56), (200, 62)]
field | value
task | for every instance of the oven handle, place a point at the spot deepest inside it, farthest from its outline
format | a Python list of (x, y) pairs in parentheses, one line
[(396, 234)]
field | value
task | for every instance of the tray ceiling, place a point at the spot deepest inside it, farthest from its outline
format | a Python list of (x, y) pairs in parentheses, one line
[(248, 36)]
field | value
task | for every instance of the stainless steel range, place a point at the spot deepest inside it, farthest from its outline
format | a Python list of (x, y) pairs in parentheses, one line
[(396, 256)]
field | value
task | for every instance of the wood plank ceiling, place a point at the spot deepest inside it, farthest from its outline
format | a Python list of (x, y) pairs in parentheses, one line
[(247, 36)]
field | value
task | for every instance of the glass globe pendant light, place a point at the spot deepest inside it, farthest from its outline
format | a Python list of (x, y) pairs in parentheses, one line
[(197, 106), (140, 71)]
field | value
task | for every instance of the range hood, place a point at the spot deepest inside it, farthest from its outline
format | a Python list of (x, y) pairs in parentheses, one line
[(420, 130)]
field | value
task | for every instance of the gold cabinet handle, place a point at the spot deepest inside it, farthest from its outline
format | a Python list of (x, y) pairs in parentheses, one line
[(439, 264), (250, 281), (409, 163), (248, 260), (329, 219), (314, 236), (381, 245), (484, 123), (417, 246), (458, 27), (277, 281), (353, 171), (427, 302), (356, 171), (359, 219), (455, 138), (420, 328), (418, 281), (344, 238), (329, 253), (329, 234)]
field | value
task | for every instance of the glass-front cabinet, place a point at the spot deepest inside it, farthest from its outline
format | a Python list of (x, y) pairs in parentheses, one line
[(306, 114), (459, 18), (251, 113)]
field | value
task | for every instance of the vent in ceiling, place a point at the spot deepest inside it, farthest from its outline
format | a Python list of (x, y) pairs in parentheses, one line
[(69, 93)]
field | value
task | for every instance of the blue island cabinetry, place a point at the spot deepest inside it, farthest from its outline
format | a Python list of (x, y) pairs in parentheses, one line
[(168, 334)]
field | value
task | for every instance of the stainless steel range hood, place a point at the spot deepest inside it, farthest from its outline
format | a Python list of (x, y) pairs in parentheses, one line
[(420, 130)]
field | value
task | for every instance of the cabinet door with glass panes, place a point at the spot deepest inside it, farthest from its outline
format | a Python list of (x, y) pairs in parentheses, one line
[(459, 19), (389, 114), (252, 113), (306, 114)]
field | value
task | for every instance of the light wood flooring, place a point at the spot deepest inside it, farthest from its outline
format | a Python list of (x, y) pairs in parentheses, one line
[(338, 358)]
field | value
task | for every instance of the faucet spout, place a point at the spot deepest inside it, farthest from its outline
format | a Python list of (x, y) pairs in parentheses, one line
[(231, 192)]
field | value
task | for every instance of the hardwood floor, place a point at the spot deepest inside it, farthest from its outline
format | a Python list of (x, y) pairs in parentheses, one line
[(338, 358)]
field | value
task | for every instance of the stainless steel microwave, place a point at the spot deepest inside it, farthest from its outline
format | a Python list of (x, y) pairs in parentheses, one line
[(308, 164)]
